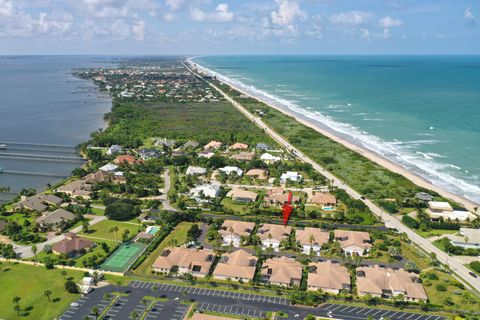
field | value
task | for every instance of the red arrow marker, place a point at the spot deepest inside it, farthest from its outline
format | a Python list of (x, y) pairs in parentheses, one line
[(287, 209)]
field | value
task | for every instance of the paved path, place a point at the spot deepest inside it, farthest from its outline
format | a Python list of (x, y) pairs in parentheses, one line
[(25, 252), (454, 264), (165, 202)]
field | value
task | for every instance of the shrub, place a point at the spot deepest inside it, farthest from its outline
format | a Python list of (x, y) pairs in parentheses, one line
[(410, 222)]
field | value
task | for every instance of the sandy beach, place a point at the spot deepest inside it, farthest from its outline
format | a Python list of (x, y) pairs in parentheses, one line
[(386, 163)]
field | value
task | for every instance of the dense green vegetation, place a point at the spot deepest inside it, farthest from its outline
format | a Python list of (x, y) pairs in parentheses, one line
[(131, 123), (365, 176)]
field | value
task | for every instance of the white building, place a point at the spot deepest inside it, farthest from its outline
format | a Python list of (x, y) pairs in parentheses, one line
[(109, 167), (230, 169), (470, 238), (437, 210), (290, 175), (114, 149), (269, 159), (192, 170), (205, 191)]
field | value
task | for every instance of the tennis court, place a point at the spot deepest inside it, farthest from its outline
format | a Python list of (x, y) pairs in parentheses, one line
[(123, 257)]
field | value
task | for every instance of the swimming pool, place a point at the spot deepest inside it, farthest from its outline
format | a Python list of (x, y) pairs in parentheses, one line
[(327, 208), (152, 229)]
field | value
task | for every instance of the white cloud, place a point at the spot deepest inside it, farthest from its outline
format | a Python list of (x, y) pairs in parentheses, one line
[(468, 14), (286, 13), (389, 22), (174, 4), (6, 8), (350, 19), (138, 30), (169, 17), (222, 13)]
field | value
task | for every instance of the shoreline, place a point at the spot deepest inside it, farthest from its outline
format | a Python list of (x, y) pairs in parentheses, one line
[(369, 154)]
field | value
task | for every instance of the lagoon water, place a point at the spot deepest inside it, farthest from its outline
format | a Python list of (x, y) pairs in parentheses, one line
[(422, 112), (41, 102)]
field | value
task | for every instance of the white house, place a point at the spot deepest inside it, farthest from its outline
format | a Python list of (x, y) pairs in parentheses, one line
[(290, 175), (205, 191), (192, 170), (114, 149), (470, 238), (437, 210), (229, 169), (269, 159), (109, 167)]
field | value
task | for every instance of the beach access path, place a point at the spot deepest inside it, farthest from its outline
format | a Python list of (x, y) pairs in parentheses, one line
[(453, 263)]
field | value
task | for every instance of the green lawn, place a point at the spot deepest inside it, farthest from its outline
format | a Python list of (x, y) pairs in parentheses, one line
[(102, 230), (178, 236), (434, 232), (234, 206), (98, 212), (29, 283)]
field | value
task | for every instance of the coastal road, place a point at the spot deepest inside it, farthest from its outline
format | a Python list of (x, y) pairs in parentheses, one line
[(454, 264)]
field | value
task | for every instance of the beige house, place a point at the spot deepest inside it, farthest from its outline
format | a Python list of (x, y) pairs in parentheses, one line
[(354, 243), (323, 200), (242, 195), (238, 146), (236, 266), (212, 145), (233, 230), (282, 271), (388, 283), (77, 188), (55, 220), (260, 174), (272, 235), (328, 276), (278, 195), (183, 261), (39, 202), (312, 239)]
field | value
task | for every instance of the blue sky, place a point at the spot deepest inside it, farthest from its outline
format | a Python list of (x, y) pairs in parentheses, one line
[(239, 27)]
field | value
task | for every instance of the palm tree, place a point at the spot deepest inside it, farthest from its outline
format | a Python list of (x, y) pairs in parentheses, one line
[(94, 311), (34, 250), (16, 300), (47, 293)]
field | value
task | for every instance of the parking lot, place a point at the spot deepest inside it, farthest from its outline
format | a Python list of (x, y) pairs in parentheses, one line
[(219, 301), (209, 292), (346, 312), (233, 310)]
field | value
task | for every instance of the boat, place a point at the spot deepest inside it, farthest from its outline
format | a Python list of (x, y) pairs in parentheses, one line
[(3, 146), (1, 169)]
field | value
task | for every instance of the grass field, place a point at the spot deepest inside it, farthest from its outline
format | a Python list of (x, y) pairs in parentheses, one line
[(123, 257), (102, 230), (29, 283), (178, 236)]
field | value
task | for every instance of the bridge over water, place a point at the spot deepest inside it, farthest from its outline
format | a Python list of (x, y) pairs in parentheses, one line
[(41, 157)]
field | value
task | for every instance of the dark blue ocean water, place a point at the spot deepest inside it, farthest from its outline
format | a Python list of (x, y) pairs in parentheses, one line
[(422, 112), (41, 102)]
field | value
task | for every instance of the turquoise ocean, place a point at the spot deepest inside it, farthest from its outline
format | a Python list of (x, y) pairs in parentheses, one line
[(422, 112)]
